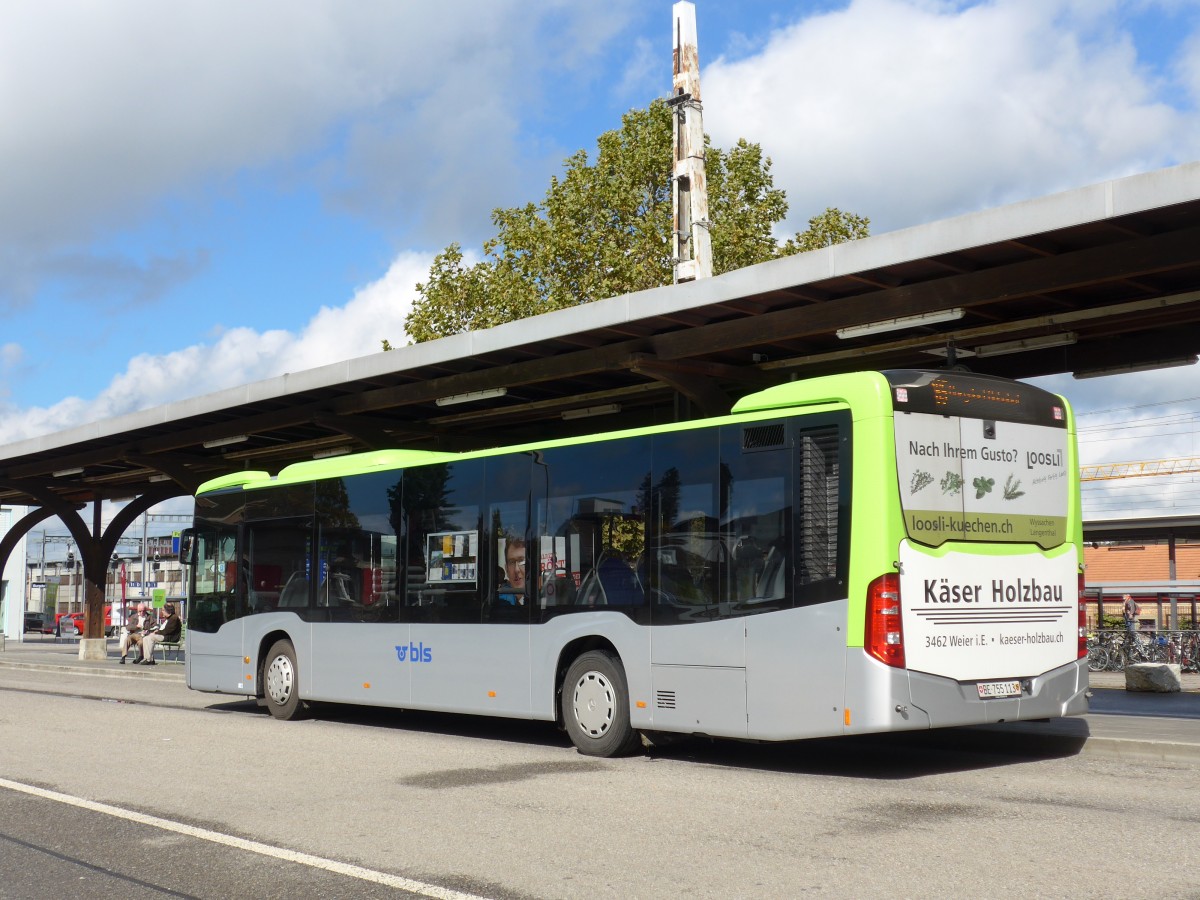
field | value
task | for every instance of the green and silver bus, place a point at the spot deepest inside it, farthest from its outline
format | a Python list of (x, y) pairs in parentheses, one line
[(854, 553)]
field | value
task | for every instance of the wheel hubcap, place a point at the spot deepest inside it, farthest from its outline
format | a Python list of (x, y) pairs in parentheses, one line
[(280, 679), (594, 703)]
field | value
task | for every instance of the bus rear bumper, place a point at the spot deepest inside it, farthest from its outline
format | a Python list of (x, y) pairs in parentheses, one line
[(1059, 692)]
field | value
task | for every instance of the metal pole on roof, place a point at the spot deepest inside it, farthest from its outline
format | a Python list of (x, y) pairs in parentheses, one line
[(691, 245), (43, 569), (145, 555), (1174, 623)]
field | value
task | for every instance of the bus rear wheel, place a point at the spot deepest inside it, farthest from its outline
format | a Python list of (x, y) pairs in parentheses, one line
[(595, 706), (281, 682)]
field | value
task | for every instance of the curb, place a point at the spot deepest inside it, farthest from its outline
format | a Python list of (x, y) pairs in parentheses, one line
[(97, 672), (1141, 751)]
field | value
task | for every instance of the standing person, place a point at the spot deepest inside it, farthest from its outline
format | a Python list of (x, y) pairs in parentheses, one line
[(168, 630), (135, 627), (1130, 612)]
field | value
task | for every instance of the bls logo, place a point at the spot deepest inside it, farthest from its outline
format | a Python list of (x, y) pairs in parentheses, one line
[(415, 653)]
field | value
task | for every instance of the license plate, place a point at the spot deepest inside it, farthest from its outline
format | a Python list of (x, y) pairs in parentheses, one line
[(988, 689)]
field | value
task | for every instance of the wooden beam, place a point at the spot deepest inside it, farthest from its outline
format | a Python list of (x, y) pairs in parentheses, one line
[(749, 375), (703, 392)]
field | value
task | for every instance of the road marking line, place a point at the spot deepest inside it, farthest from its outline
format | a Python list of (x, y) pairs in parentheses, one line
[(317, 862)]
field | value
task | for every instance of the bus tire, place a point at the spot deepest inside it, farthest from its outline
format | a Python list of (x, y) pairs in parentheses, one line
[(281, 682), (595, 706)]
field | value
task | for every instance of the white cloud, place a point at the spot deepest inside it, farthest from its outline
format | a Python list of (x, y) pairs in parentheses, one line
[(402, 111), (12, 359), (1134, 418), (910, 110), (239, 356), (10, 355), (642, 70), (1187, 68)]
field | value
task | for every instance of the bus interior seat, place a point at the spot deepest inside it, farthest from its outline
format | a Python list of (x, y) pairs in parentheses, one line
[(618, 583), (771, 583), (559, 591), (295, 592)]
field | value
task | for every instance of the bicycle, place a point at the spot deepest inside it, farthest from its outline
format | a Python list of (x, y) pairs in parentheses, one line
[(1099, 659)]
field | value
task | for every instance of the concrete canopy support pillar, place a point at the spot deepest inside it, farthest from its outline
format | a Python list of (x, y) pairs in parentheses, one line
[(94, 647), (691, 244)]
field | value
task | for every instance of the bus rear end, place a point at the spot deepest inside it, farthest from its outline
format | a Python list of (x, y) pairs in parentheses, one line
[(977, 617)]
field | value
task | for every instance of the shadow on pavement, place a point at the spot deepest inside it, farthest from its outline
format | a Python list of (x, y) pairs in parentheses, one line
[(882, 756)]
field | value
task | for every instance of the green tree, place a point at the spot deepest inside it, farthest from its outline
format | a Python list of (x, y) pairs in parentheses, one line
[(830, 227), (604, 229)]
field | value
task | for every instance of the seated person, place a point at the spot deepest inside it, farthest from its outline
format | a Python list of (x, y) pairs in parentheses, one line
[(135, 626), (167, 630), (512, 591)]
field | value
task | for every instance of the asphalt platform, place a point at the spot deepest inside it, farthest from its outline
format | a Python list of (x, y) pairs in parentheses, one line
[(1129, 725)]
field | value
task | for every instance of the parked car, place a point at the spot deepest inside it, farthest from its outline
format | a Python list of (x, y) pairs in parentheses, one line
[(42, 623), (72, 623)]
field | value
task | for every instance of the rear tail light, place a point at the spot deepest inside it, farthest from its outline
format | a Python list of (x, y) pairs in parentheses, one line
[(1083, 649), (884, 634)]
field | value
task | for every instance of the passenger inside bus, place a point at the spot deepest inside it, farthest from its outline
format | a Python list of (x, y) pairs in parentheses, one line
[(512, 590)]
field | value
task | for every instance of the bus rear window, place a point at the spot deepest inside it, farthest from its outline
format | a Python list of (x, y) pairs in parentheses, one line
[(988, 480)]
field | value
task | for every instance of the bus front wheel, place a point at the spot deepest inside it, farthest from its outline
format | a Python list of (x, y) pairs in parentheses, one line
[(595, 705), (281, 682)]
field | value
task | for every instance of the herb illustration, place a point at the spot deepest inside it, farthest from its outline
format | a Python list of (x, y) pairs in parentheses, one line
[(920, 480), (1011, 488), (952, 483), (983, 486)]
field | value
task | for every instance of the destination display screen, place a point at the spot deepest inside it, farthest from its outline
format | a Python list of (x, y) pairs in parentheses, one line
[(978, 396)]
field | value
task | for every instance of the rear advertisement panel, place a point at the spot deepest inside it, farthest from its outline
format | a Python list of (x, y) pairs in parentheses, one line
[(982, 480), (972, 617)]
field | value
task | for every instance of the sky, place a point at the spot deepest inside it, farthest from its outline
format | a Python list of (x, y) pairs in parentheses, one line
[(203, 193)]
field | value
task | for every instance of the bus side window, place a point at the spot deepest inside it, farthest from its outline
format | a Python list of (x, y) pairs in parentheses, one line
[(505, 554), (687, 564), (440, 511), (756, 515), (212, 605), (277, 565), (590, 527)]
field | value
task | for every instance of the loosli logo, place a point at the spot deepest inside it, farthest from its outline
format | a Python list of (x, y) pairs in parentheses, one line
[(414, 653)]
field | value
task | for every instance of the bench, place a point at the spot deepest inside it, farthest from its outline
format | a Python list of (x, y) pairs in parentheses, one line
[(177, 646)]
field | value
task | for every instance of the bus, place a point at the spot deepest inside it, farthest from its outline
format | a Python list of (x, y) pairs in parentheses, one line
[(854, 553)]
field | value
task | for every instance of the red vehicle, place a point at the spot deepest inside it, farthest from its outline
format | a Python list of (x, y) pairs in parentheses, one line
[(72, 623)]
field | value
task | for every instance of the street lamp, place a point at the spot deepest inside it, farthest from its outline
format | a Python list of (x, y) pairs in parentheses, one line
[(29, 602), (46, 589), (112, 579), (72, 573)]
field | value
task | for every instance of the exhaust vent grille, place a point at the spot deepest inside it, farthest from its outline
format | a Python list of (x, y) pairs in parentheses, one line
[(763, 437)]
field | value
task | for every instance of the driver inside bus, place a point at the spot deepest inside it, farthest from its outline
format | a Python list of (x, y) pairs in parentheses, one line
[(512, 591)]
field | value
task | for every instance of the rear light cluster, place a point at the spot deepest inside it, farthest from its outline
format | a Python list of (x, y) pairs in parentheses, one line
[(885, 634), (1083, 649)]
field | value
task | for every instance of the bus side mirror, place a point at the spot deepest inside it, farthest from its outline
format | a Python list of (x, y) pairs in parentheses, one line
[(187, 547)]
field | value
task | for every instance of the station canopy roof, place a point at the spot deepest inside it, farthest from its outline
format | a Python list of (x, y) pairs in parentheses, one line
[(1099, 278)]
